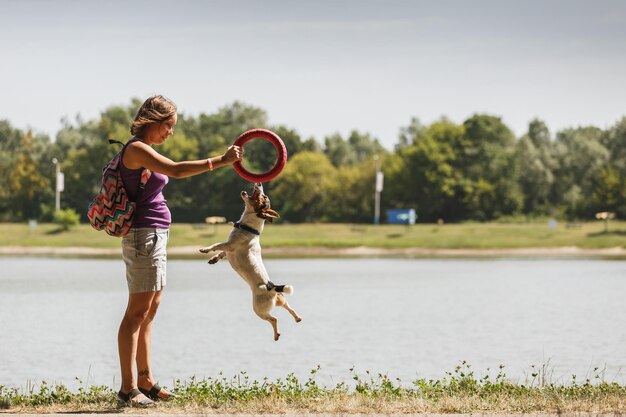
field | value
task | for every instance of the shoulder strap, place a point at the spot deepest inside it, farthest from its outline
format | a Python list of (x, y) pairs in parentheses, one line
[(145, 174)]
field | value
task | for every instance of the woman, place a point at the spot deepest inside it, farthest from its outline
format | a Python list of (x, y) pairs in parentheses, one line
[(144, 248)]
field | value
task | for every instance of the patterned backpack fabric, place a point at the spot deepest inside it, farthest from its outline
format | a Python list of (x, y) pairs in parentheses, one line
[(111, 210)]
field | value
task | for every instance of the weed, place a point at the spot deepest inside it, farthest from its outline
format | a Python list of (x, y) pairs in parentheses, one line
[(461, 390)]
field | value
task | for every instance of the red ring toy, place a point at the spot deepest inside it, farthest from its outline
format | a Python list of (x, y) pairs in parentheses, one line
[(281, 159)]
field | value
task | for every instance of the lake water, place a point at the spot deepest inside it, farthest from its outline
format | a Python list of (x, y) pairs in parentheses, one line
[(410, 318)]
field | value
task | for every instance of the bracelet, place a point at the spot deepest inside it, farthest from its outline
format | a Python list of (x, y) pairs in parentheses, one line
[(210, 164)]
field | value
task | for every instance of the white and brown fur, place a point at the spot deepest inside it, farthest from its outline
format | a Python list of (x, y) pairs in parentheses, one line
[(243, 250)]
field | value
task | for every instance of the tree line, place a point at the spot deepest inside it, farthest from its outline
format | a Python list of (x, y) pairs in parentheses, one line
[(476, 170)]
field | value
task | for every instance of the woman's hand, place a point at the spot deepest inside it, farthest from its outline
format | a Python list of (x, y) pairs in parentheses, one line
[(232, 155)]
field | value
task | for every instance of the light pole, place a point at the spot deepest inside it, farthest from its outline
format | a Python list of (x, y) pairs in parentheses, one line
[(59, 185), (378, 189)]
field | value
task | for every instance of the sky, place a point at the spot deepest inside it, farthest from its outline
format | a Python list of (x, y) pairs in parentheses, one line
[(320, 67)]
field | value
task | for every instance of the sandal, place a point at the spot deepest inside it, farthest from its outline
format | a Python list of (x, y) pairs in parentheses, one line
[(153, 393), (126, 400)]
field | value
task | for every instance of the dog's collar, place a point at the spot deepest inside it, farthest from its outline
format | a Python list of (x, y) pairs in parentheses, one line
[(246, 228)]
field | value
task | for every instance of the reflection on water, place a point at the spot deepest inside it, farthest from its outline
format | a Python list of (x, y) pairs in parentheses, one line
[(409, 318)]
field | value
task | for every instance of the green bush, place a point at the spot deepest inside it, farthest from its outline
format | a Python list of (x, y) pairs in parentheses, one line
[(66, 218)]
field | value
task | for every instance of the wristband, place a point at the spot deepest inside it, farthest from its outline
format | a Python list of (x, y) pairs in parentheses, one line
[(210, 164)]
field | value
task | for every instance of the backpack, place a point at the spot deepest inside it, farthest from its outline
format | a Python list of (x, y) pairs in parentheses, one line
[(111, 210)]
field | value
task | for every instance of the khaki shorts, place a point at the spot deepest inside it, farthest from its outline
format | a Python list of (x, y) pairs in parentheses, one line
[(145, 255)]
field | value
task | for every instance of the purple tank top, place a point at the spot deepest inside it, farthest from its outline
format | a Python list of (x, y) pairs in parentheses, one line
[(152, 210)]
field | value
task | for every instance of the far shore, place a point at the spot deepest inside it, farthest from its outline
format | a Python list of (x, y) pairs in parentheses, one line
[(338, 240), (323, 252)]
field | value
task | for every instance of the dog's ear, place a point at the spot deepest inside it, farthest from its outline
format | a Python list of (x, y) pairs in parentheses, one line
[(269, 215)]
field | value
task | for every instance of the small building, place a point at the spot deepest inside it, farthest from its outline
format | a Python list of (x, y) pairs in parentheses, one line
[(401, 216)]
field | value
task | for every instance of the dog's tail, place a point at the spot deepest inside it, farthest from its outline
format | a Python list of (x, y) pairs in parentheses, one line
[(287, 289)]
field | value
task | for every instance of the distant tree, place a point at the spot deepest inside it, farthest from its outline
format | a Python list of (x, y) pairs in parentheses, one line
[(580, 156), (539, 134), (609, 192), (534, 155), (27, 186), (115, 121), (422, 175), (219, 130), (614, 140), (364, 146), (10, 140), (609, 188), (338, 151), (302, 189), (484, 140), (356, 149), (409, 134), (535, 178), (488, 161), (351, 194), (311, 145)]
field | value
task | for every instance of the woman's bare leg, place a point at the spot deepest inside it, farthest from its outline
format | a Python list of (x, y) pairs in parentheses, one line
[(144, 345), (137, 311)]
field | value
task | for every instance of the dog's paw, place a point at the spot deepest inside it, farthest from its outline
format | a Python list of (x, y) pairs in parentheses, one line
[(205, 250), (276, 336), (299, 319), (213, 260)]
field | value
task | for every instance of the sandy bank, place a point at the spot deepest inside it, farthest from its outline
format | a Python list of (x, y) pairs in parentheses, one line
[(183, 413), (276, 252), (178, 413)]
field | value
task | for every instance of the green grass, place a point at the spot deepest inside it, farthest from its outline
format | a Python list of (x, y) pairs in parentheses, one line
[(461, 391), (450, 236)]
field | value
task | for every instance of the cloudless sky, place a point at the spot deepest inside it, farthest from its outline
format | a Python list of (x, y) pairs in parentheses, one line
[(319, 67)]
